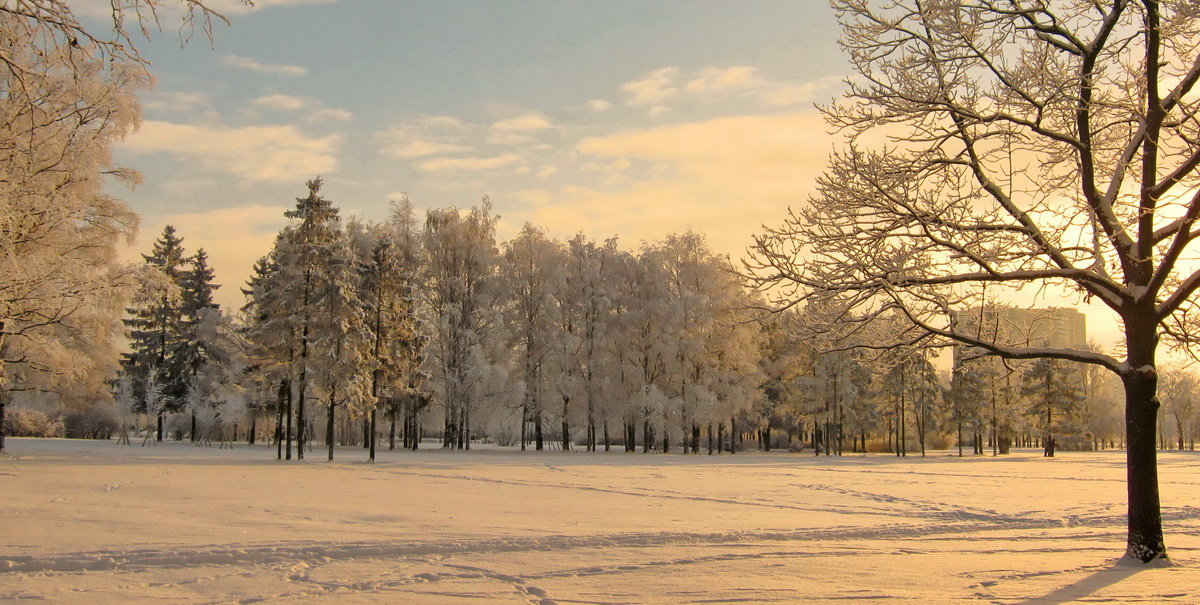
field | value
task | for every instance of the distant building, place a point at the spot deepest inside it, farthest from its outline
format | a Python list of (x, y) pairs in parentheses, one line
[(1055, 327)]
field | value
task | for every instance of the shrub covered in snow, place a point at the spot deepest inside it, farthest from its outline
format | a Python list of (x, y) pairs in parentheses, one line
[(24, 422)]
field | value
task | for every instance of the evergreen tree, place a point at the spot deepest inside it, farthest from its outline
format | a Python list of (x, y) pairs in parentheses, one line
[(1051, 388), (156, 333), (306, 267), (968, 397), (194, 350)]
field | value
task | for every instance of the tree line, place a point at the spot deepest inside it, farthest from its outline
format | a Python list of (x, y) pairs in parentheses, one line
[(434, 327)]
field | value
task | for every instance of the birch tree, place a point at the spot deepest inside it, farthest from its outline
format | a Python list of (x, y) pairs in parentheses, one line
[(533, 269), (462, 293), (1044, 143)]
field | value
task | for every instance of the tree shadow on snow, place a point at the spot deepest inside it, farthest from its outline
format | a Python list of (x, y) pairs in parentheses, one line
[(1118, 571)]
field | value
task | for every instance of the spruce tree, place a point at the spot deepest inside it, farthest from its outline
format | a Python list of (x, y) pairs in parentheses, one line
[(193, 349), (153, 367)]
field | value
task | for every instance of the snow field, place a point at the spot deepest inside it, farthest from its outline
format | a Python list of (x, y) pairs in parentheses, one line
[(97, 522)]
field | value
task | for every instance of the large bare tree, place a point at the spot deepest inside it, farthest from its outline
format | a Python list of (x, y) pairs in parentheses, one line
[(1014, 143)]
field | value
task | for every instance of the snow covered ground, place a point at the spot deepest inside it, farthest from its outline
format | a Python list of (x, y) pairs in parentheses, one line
[(99, 522)]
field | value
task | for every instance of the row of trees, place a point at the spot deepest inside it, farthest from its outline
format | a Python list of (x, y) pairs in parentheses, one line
[(439, 328), (537, 336)]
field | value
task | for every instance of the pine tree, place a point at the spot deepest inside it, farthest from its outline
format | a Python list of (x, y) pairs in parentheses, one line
[(156, 333), (315, 231), (269, 320), (193, 351)]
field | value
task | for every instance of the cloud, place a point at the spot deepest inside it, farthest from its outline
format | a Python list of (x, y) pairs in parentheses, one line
[(599, 105), (419, 149), (330, 115), (177, 102), (263, 68), (656, 88), (467, 164), (423, 137), (722, 176), (251, 153), (746, 81), (653, 88), (281, 102), (518, 130), (713, 79)]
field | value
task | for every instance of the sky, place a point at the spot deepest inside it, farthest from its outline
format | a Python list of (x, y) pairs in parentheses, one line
[(621, 118), (611, 118)]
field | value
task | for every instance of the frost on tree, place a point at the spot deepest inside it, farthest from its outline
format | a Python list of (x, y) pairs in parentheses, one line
[(462, 293), (158, 343), (68, 97), (1014, 143)]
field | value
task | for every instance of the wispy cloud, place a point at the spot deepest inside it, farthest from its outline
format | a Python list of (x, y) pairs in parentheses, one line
[(653, 88), (423, 137), (719, 176), (263, 68), (281, 102), (177, 102), (331, 115), (667, 84), (518, 130), (251, 153), (417, 148), (473, 164)]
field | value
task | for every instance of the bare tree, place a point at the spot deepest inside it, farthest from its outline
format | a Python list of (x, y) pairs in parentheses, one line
[(1025, 143)]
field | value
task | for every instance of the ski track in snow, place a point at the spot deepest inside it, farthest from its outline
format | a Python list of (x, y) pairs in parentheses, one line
[(283, 552)]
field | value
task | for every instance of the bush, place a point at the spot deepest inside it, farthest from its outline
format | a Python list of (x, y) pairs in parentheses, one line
[(24, 422), (95, 422)]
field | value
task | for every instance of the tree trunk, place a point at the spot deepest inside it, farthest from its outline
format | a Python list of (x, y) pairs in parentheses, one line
[(591, 420), (1145, 536), (732, 435), (566, 426), (329, 428), (537, 429), (288, 432), (249, 439), (4, 395), (192, 434), (371, 456), (392, 429), (524, 425), (710, 439)]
